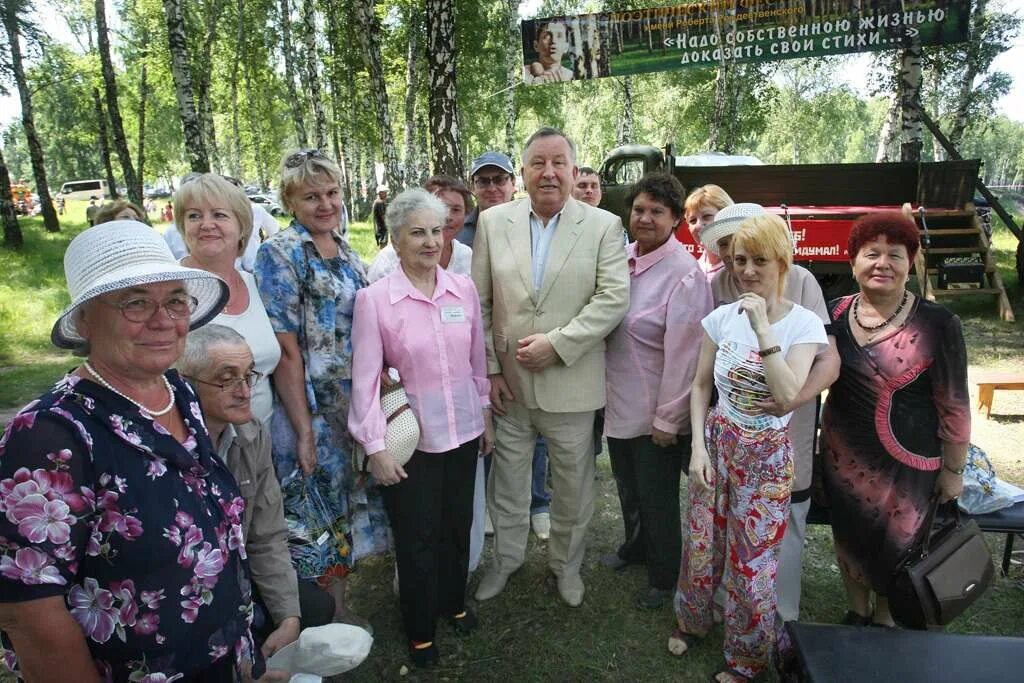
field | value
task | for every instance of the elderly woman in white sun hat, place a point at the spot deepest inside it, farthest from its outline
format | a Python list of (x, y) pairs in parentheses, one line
[(802, 289), (122, 555)]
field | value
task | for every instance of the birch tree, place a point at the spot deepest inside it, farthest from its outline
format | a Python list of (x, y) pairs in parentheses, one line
[(368, 29), (12, 10), (313, 74), (444, 107), (294, 99), (12, 230), (409, 157), (195, 147), (131, 181), (513, 68), (910, 102), (104, 142)]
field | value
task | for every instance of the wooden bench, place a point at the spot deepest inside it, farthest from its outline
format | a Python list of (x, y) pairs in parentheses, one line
[(840, 654), (987, 385)]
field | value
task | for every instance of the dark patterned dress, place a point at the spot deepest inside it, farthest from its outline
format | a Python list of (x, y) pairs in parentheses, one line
[(896, 400), (141, 535)]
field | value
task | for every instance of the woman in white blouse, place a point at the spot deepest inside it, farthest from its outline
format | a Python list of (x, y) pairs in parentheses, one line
[(215, 219)]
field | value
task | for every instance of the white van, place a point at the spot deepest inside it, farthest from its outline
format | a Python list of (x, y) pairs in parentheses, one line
[(83, 189)]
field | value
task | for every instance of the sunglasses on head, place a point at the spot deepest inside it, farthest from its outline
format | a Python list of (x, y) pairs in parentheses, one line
[(298, 158)]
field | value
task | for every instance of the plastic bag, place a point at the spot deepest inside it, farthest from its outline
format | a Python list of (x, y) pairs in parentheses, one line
[(318, 536), (983, 491)]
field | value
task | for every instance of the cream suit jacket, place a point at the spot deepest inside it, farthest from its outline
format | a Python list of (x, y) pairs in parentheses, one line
[(584, 295)]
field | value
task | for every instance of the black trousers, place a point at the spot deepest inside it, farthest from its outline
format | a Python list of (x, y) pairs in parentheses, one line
[(431, 513), (648, 478), (316, 605)]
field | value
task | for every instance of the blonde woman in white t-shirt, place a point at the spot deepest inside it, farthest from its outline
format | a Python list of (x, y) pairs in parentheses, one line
[(755, 350), (215, 220)]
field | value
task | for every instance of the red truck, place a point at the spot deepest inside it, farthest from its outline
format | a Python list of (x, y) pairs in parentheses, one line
[(823, 200)]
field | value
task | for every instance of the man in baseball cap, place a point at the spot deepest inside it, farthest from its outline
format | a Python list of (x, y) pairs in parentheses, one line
[(492, 180)]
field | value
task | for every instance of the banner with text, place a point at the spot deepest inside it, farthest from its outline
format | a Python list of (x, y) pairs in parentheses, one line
[(705, 34)]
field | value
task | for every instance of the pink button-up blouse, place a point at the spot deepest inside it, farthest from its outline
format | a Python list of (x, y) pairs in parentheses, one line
[(437, 346), (652, 355)]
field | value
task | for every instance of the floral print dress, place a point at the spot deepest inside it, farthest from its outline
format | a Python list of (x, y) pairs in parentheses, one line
[(140, 534), (313, 297)]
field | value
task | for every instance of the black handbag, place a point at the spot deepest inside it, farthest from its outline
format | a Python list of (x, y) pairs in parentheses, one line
[(942, 574)]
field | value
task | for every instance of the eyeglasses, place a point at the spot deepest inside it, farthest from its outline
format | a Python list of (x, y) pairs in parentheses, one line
[(482, 181), (298, 158), (249, 379), (142, 310)]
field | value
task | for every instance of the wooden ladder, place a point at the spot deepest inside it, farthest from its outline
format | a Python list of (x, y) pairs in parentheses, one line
[(958, 233)]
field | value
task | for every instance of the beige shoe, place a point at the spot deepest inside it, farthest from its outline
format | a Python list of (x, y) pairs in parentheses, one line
[(541, 523), (571, 588), (491, 585), (488, 526)]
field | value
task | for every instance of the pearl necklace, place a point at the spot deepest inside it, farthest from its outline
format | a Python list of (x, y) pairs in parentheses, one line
[(154, 413), (875, 328)]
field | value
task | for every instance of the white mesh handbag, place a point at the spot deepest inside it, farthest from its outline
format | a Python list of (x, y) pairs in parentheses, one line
[(403, 432)]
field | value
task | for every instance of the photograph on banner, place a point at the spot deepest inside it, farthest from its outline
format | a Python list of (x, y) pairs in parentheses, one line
[(706, 34)]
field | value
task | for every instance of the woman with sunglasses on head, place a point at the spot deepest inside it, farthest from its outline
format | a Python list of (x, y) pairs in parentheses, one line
[(308, 277), (122, 556), (214, 219)]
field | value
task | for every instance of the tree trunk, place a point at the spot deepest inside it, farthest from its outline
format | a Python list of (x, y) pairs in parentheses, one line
[(368, 30), (35, 150), (114, 109), (141, 151), (236, 131), (261, 167), (202, 72), (313, 74), (444, 107), (289, 75), (412, 52), (12, 230), (190, 125), (965, 96), (910, 102), (339, 111), (887, 136), (626, 129), (101, 124), (513, 69)]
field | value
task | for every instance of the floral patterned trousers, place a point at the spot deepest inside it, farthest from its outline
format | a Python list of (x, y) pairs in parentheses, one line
[(744, 513)]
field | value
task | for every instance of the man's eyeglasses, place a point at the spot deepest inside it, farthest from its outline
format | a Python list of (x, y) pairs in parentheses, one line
[(482, 181), (249, 379), (298, 158), (142, 310)]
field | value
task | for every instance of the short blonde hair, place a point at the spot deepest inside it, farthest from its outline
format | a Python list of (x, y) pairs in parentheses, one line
[(211, 189), (707, 195), (767, 236), (305, 167)]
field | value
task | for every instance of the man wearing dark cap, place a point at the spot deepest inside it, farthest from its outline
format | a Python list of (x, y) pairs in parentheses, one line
[(492, 179)]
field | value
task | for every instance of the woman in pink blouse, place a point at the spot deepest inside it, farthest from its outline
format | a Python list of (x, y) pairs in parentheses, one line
[(424, 322), (650, 363)]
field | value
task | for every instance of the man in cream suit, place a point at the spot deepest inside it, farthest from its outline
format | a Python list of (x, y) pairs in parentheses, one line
[(553, 283)]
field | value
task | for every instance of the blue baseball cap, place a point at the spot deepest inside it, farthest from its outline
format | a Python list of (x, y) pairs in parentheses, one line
[(491, 158)]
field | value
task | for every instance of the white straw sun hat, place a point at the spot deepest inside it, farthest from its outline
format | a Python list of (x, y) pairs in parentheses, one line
[(122, 254), (727, 222)]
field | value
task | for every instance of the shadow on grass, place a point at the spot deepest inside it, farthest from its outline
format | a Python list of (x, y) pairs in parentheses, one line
[(528, 634)]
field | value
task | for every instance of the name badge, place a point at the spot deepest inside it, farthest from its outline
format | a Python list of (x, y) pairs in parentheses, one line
[(453, 314)]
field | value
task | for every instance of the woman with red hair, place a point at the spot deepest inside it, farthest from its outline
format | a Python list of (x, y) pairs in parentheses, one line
[(897, 421)]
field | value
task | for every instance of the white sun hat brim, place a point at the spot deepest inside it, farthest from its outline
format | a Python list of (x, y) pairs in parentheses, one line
[(727, 222), (123, 254)]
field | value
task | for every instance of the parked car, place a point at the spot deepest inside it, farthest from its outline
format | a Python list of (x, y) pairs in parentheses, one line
[(268, 203), (252, 189), (158, 193)]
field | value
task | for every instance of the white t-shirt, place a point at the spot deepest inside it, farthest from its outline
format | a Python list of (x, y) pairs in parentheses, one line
[(387, 260), (254, 325), (739, 372)]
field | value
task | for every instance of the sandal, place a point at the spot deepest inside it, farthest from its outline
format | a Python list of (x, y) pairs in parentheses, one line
[(734, 675), (679, 643), (852, 618)]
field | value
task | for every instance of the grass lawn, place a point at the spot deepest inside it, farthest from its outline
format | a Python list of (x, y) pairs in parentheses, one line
[(527, 633)]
